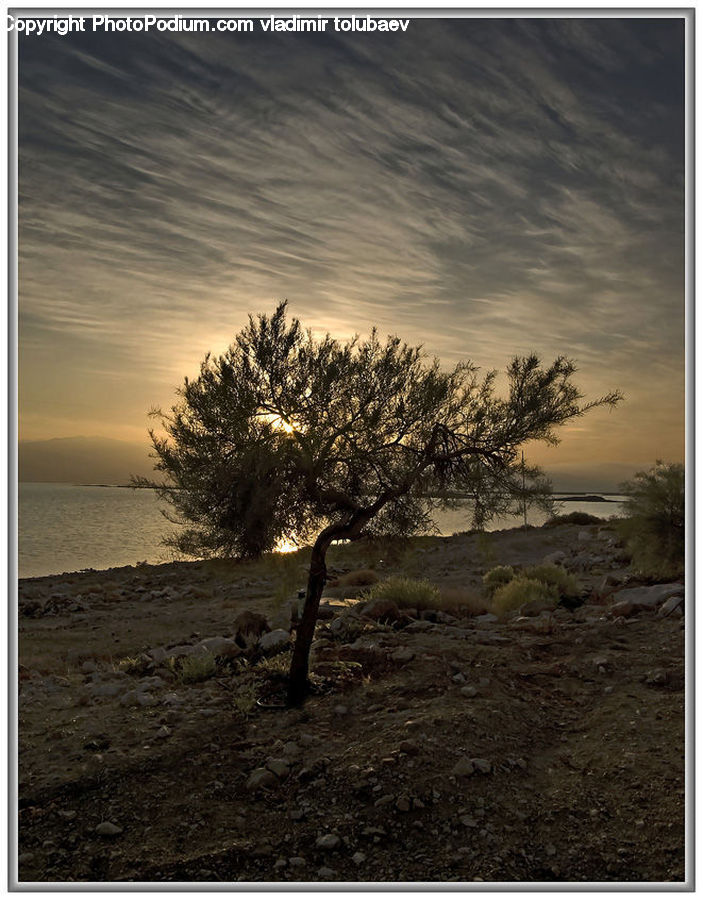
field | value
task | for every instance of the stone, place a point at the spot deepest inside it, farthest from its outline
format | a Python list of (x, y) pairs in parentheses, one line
[(129, 698), (325, 612), (404, 655), (556, 558), (274, 641), (325, 873), (463, 767), (482, 766), (645, 598), (468, 691), (459, 678), (163, 732), (279, 767), (328, 842), (88, 667), (358, 858), (673, 603), (108, 829), (221, 646), (261, 778), (403, 804), (145, 699), (111, 689), (486, 619), (584, 536), (296, 862), (409, 747)]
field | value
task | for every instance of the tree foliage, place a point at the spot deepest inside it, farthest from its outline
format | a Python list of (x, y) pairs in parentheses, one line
[(655, 519), (288, 434)]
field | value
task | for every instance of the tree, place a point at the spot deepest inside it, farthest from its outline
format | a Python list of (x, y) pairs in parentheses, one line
[(655, 522), (287, 434)]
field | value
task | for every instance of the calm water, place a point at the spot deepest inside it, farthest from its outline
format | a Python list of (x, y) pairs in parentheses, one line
[(65, 527)]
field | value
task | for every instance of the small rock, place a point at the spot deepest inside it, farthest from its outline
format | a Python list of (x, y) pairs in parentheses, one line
[(403, 804), (108, 829), (261, 778), (325, 873), (279, 767), (554, 559), (359, 858), (459, 678), (274, 640), (381, 609), (404, 655), (163, 732), (296, 862), (673, 603), (328, 842), (409, 747), (463, 767), (486, 618), (482, 766), (468, 691)]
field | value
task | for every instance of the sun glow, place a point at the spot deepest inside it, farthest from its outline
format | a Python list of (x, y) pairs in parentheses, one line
[(289, 426), (286, 545)]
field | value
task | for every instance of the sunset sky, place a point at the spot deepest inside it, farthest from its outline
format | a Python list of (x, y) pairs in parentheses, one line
[(484, 187)]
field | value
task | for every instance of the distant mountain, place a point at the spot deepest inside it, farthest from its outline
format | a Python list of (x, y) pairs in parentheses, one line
[(82, 460)]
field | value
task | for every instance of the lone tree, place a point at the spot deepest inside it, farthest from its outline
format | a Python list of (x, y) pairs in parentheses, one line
[(289, 435)]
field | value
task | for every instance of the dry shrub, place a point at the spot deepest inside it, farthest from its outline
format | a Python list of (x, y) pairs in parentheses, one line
[(359, 578), (457, 600), (407, 593), (498, 576), (555, 576), (521, 591)]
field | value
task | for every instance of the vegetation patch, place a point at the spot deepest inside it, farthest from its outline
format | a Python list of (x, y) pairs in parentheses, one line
[(497, 577), (555, 576), (654, 527), (522, 591), (573, 518), (407, 593)]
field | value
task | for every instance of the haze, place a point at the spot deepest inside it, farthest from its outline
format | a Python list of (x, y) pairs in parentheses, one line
[(485, 187)]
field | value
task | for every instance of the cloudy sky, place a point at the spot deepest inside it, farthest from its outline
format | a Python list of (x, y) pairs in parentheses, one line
[(485, 187)]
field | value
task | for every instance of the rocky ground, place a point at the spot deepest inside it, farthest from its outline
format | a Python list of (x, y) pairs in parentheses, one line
[(436, 747)]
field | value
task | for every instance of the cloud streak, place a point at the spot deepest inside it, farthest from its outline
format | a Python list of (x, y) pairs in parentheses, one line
[(483, 186)]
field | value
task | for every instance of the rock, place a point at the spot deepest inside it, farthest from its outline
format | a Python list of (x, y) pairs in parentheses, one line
[(261, 778), (486, 619), (274, 641), (403, 804), (584, 536), (158, 654), (404, 655), (144, 699), (644, 598), (221, 646), (463, 767), (554, 559), (325, 612), (328, 842), (482, 766), (381, 609), (108, 829), (468, 691), (459, 678), (296, 862), (409, 747), (359, 858), (88, 667), (340, 710), (163, 732), (325, 873), (468, 822), (291, 750), (672, 604), (279, 767), (129, 698), (111, 689)]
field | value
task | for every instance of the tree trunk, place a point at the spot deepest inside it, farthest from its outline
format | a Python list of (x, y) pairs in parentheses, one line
[(298, 676)]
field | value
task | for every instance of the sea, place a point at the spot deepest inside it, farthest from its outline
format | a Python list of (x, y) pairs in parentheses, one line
[(69, 528)]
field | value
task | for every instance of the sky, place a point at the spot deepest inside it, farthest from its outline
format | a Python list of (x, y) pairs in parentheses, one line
[(485, 187)]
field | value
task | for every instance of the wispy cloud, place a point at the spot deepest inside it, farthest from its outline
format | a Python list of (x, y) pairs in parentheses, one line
[(485, 187)]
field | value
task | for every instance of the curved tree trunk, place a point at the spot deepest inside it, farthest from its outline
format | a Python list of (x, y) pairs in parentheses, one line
[(298, 676)]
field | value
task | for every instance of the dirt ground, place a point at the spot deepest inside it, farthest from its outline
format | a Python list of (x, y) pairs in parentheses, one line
[(444, 748)]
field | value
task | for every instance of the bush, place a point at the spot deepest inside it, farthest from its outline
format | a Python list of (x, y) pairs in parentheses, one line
[(497, 577), (574, 518), (654, 527), (191, 669), (359, 578), (555, 576), (521, 591), (407, 593), (458, 600)]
